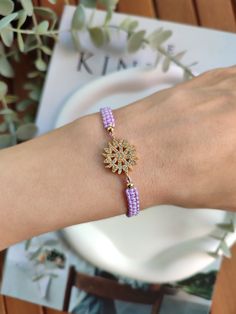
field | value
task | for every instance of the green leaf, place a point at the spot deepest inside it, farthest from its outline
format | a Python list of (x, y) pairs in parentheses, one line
[(193, 64), (158, 58), (78, 19), (10, 99), (52, 1), (30, 86), (42, 27), (106, 33), (7, 111), (6, 7), (16, 56), (6, 69), (228, 227), (75, 39), (215, 237), (40, 65), (125, 23), (20, 42), (213, 254), (151, 37), (166, 64), (135, 41), (88, 3), (180, 55), (22, 16), (97, 36), (3, 89), (51, 242), (36, 253), (2, 50), (27, 244), (9, 115), (46, 13), (7, 36), (5, 21), (26, 131), (38, 277), (23, 105), (27, 6), (28, 118), (186, 76), (35, 94), (46, 50), (108, 16), (225, 249), (133, 25), (157, 38), (5, 140), (33, 74), (3, 127), (129, 25)]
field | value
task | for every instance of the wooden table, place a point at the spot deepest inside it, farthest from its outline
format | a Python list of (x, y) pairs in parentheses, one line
[(218, 14)]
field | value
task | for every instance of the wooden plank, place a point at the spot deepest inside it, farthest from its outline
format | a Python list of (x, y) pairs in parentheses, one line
[(234, 7), (217, 14), (111, 289), (16, 306), (139, 7), (224, 300), (182, 11), (3, 309)]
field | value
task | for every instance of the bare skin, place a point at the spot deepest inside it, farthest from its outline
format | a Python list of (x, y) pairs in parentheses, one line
[(186, 142)]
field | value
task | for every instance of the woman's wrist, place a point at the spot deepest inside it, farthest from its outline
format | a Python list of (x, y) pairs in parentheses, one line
[(130, 125)]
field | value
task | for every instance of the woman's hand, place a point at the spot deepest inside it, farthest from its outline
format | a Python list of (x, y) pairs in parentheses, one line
[(186, 141)]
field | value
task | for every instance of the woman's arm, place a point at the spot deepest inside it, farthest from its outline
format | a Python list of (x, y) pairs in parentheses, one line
[(57, 180), (186, 143)]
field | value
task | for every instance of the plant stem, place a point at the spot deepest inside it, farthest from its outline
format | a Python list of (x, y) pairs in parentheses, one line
[(35, 22), (5, 106), (91, 18), (11, 124), (177, 62), (32, 32), (223, 239), (161, 51)]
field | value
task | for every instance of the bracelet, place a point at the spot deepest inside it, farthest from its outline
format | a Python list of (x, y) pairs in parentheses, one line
[(120, 156)]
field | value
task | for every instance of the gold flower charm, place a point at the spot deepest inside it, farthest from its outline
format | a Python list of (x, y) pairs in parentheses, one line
[(120, 156)]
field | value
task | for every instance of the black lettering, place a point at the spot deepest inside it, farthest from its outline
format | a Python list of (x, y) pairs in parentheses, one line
[(121, 65), (83, 62), (104, 70)]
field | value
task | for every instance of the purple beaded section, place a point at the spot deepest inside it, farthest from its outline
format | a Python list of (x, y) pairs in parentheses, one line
[(133, 201), (107, 117)]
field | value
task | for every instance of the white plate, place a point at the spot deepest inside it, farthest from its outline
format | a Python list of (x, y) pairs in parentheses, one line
[(163, 243)]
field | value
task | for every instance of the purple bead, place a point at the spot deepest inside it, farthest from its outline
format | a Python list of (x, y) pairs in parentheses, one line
[(133, 201), (107, 117)]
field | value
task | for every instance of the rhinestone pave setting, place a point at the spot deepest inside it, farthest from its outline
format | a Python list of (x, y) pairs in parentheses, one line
[(120, 156)]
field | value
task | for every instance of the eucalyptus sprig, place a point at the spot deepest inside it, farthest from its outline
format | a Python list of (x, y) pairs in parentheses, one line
[(136, 38)]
